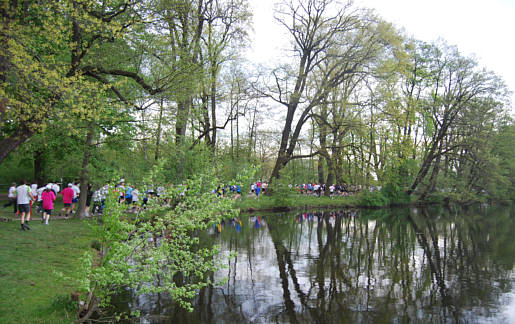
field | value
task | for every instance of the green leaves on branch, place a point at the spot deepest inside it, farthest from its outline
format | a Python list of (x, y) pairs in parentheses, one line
[(158, 250)]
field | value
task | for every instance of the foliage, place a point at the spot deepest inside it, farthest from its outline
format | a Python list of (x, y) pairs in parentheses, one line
[(437, 197), (502, 185), (396, 180), (182, 163), (373, 199), (43, 45), (16, 167), (395, 194), (381, 109), (282, 188), (157, 249)]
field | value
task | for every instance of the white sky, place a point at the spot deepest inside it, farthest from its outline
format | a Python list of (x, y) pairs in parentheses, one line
[(483, 28)]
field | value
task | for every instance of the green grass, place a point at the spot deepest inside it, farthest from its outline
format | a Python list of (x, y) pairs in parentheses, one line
[(296, 201), (30, 290)]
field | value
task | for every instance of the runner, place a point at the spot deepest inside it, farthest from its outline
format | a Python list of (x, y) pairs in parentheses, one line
[(12, 198), (76, 193), (48, 197), (34, 191), (89, 195), (40, 208), (121, 191), (128, 195), (135, 198), (67, 194), (56, 188), (23, 197)]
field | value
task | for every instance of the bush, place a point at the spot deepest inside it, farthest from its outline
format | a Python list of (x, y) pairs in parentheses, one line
[(465, 197), (373, 199), (281, 190), (395, 194), (436, 197)]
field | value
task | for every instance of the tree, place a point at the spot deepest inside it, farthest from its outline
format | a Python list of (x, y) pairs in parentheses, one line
[(48, 65), (456, 85), (158, 250), (226, 35), (328, 49)]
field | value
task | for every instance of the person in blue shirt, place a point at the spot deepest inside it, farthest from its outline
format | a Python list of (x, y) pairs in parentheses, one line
[(128, 195)]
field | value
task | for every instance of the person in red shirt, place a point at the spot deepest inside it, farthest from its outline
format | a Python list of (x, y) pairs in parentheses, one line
[(67, 194), (48, 198)]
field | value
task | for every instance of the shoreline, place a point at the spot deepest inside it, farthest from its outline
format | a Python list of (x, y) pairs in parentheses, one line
[(291, 206)]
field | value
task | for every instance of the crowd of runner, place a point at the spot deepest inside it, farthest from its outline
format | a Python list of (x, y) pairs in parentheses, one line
[(24, 197), (332, 190), (28, 200)]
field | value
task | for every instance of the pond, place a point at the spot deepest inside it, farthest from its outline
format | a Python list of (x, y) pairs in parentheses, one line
[(436, 264)]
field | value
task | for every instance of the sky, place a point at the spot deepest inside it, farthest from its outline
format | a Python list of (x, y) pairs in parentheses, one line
[(480, 28)]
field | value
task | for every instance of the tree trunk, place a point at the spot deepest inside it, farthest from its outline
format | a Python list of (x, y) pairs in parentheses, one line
[(84, 171), (237, 132), (232, 126), (183, 109), (282, 158), (330, 171), (426, 165), (144, 144), (213, 108), (39, 163), (205, 116), (311, 145), (434, 174), (338, 169), (158, 134), (252, 133), (320, 168)]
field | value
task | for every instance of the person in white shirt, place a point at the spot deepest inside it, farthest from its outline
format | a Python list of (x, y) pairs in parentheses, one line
[(103, 193), (96, 200), (331, 189), (12, 198), (316, 188), (135, 198), (160, 191), (23, 198), (76, 193), (33, 187), (34, 191), (55, 188), (121, 192), (40, 203)]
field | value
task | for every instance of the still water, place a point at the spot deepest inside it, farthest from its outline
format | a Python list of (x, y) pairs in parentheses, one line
[(420, 265)]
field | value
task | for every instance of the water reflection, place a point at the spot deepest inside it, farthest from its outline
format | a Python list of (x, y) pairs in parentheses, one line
[(400, 265)]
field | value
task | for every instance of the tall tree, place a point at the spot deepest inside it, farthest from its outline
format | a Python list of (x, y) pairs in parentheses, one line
[(226, 34), (338, 39), (46, 66), (456, 85)]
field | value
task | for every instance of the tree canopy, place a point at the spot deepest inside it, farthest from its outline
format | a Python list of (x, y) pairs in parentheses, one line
[(96, 88)]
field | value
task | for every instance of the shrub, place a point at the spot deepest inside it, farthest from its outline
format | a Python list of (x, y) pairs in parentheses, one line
[(395, 194), (373, 199), (281, 190)]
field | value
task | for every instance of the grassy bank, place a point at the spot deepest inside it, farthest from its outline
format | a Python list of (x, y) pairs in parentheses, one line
[(363, 200), (295, 201), (30, 290)]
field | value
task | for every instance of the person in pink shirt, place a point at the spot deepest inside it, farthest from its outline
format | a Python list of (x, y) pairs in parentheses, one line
[(48, 197), (67, 194)]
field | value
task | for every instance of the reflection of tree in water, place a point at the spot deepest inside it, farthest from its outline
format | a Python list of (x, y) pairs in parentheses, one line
[(411, 266), (400, 265)]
